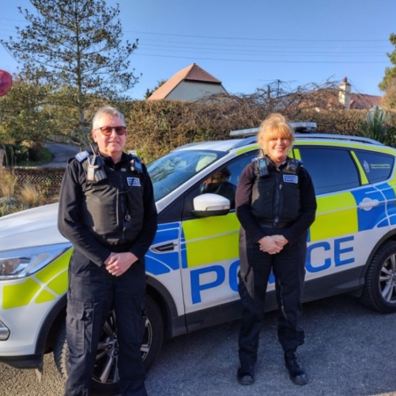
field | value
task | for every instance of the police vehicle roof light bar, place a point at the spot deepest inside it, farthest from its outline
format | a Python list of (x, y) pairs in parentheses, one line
[(304, 130), (298, 126)]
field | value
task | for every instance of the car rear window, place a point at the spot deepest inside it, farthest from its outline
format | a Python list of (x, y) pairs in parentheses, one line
[(378, 166), (331, 169)]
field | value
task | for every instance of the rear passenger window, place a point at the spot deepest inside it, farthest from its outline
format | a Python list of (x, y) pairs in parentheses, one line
[(378, 166), (331, 169)]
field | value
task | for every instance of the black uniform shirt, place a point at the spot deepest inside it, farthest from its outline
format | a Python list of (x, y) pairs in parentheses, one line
[(70, 215), (251, 224)]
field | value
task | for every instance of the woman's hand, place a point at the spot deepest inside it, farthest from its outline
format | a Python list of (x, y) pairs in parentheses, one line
[(272, 244), (268, 244), (280, 240)]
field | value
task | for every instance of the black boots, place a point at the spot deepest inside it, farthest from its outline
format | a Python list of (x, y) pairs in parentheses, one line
[(296, 372), (245, 377)]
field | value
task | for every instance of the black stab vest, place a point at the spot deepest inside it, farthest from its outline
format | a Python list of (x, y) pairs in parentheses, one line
[(114, 207), (276, 192)]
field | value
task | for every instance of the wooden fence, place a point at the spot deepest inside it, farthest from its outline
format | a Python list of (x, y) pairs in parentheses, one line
[(46, 179)]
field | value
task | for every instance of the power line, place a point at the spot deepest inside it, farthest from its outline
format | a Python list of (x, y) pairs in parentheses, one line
[(259, 60), (243, 50), (215, 37), (262, 47), (162, 34)]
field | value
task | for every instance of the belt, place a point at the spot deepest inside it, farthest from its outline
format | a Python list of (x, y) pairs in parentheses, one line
[(270, 224)]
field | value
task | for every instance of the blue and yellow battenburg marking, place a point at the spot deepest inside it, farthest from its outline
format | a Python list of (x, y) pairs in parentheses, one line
[(202, 242), (46, 285), (381, 212), (158, 262), (205, 241), (211, 239)]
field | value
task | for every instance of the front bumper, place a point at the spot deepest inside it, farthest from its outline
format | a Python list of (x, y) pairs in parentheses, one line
[(23, 362), (4, 332)]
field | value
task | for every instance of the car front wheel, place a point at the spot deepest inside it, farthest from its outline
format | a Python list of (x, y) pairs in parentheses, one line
[(380, 287), (105, 376)]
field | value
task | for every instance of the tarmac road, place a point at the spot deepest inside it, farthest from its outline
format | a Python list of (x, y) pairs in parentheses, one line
[(349, 350), (61, 154)]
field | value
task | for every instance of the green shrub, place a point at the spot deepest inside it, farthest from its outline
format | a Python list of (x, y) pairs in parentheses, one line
[(156, 127)]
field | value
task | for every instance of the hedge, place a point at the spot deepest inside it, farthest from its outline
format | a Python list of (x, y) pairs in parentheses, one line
[(156, 127)]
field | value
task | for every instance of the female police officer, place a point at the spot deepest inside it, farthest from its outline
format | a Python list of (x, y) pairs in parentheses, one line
[(275, 204), (107, 211)]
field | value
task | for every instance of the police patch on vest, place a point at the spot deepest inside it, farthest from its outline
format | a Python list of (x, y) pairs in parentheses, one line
[(290, 179), (133, 182)]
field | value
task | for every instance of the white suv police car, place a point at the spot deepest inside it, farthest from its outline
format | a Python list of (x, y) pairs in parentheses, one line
[(193, 262)]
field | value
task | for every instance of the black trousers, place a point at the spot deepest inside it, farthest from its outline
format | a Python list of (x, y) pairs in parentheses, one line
[(92, 293), (288, 267)]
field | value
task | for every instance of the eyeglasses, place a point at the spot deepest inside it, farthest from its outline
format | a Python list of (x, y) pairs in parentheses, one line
[(107, 130)]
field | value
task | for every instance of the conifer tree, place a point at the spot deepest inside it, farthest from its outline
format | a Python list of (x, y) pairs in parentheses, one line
[(76, 47)]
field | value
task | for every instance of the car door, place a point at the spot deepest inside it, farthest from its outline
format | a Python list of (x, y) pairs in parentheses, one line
[(334, 248), (211, 253)]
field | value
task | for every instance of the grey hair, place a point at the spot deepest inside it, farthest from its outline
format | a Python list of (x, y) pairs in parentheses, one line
[(109, 110)]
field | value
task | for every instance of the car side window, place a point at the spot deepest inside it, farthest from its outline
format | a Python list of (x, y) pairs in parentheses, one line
[(237, 165), (222, 181), (331, 169), (378, 166)]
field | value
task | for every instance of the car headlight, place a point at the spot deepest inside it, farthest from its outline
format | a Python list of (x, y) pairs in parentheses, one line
[(19, 263)]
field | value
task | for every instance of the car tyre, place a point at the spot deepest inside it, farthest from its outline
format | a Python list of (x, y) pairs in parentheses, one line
[(379, 290), (154, 332), (151, 346), (61, 351)]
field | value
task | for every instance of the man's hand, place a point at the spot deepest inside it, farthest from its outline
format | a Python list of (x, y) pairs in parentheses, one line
[(118, 263)]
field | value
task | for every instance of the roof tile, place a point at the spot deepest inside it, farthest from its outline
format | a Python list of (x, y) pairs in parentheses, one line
[(190, 73)]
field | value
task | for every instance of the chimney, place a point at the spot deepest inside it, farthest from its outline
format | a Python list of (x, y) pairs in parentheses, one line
[(344, 93)]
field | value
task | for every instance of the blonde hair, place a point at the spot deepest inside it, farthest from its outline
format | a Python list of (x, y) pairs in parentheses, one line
[(274, 126)]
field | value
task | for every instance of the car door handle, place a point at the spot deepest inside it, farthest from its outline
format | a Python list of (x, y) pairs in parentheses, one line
[(166, 247), (368, 203)]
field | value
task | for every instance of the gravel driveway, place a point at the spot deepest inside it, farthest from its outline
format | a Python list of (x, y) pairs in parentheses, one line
[(349, 350)]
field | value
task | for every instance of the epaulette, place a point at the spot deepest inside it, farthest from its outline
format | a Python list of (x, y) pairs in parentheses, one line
[(292, 165), (82, 156), (135, 161), (254, 159), (261, 166)]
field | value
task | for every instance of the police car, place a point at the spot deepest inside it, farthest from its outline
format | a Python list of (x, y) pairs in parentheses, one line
[(193, 263)]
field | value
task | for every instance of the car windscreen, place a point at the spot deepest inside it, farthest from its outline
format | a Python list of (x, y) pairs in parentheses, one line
[(172, 170)]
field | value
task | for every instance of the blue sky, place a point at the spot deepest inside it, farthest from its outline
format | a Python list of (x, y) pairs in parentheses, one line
[(248, 44)]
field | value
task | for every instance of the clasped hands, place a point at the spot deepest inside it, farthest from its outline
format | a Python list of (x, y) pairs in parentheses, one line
[(118, 263), (272, 244)]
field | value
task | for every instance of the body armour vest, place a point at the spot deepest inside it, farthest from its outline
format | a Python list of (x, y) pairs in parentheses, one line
[(276, 192), (113, 207)]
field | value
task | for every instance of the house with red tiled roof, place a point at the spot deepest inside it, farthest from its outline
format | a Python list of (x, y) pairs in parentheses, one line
[(189, 84), (356, 101), (364, 101), (333, 98)]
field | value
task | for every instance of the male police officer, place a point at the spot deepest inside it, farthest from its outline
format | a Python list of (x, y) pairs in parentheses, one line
[(107, 211)]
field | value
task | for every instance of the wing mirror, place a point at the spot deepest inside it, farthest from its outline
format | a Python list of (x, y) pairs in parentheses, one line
[(211, 205)]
